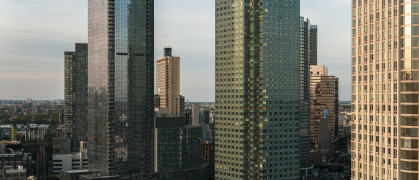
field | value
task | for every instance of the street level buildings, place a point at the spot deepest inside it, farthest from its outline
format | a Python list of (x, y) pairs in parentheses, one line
[(75, 95), (257, 89), (120, 83), (9, 173)]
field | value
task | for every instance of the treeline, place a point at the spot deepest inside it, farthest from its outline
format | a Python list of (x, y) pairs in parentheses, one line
[(32, 119)]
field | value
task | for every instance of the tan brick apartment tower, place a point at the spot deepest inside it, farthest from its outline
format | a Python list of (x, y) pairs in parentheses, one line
[(385, 96), (168, 82), (324, 92)]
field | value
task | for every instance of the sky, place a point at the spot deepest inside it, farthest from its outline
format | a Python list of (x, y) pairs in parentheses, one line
[(35, 33)]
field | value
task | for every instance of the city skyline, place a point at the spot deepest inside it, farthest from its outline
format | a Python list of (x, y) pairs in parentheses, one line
[(38, 72), (243, 89)]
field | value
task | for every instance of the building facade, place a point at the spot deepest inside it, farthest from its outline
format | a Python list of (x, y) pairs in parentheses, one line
[(168, 82), (313, 44), (257, 89), (304, 92), (68, 162), (323, 94), (75, 95), (385, 89), (178, 150), (120, 83), (9, 173)]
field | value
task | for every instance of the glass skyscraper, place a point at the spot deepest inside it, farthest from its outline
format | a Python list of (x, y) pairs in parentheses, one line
[(75, 96), (120, 83), (257, 89), (305, 53), (313, 44)]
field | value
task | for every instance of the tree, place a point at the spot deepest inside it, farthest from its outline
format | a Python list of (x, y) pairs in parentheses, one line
[(48, 138)]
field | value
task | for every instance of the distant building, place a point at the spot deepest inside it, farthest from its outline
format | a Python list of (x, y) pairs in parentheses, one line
[(324, 136), (72, 161), (75, 95), (168, 82), (98, 176), (16, 160), (323, 96), (36, 134), (195, 115), (313, 44), (304, 78), (208, 157), (61, 145), (120, 84), (178, 150), (182, 105), (10, 173), (156, 101), (29, 102), (188, 116), (73, 174), (206, 113)]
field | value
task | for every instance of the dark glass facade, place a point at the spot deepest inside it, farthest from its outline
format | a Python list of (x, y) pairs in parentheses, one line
[(313, 44), (75, 95), (304, 95), (121, 74), (257, 89), (179, 150), (140, 86)]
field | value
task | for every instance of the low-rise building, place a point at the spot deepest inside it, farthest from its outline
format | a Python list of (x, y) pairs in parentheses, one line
[(9, 173), (15, 160), (35, 133), (73, 174), (68, 162)]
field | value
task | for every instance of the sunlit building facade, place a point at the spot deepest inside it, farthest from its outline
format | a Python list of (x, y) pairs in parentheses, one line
[(385, 76), (257, 89), (168, 82)]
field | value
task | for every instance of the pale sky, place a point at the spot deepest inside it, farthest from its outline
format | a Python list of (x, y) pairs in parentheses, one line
[(35, 33)]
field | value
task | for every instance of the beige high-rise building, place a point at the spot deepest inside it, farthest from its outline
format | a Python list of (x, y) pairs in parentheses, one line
[(168, 82), (324, 96), (385, 96)]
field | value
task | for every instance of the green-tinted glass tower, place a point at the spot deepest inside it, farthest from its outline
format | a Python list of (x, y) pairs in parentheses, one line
[(257, 89), (121, 85)]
